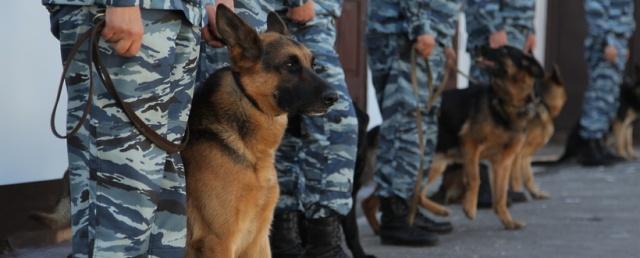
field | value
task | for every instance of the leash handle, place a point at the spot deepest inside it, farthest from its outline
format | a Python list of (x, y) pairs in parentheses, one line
[(93, 35)]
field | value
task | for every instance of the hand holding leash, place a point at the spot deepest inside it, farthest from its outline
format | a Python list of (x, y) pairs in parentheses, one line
[(123, 29), (425, 44), (611, 53), (302, 14), (498, 39)]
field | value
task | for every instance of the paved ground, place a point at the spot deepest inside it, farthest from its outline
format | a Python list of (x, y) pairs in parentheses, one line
[(592, 213)]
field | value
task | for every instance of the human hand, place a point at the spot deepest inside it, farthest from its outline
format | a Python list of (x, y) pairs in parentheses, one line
[(611, 53), (530, 44), (498, 39), (302, 14), (123, 29), (425, 44), (209, 32)]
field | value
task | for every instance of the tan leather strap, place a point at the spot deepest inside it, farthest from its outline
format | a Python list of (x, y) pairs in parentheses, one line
[(432, 97), (93, 35)]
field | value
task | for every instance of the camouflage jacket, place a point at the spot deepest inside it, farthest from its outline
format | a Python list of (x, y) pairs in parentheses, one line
[(611, 20), (487, 16), (323, 7), (415, 17), (192, 9)]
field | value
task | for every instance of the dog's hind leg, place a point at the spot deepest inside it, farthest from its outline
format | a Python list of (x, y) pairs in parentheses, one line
[(530, 182), (370, 207), (631, 153), (619, 138), (438, 166), (471, 152)]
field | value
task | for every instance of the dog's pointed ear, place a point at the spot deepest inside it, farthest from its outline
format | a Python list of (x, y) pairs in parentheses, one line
[(533, 66), (556, 76), (276, 24), (242, 40)]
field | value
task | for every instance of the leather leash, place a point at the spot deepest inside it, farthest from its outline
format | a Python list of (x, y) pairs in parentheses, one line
[(433, 96), (93, 36)]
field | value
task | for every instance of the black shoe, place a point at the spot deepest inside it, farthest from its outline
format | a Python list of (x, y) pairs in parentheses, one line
[(593, 154), (517, 197), (323, 238), (425, 223), (394, 225), (285, 236)]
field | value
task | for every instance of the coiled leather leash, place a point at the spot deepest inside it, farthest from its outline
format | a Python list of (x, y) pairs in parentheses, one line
[(93, 37)]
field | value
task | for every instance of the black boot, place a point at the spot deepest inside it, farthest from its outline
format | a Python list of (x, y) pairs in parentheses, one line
[(394, 226), (285, 236), (425, 223), (323, 238), (517, 197), (593, 154)]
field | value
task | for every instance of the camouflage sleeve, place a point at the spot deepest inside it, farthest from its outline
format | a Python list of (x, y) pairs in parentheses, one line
[(417, 14), (523, 14), (294, 3), (613, 19), (444, 19), (486, 12), (122, 3)]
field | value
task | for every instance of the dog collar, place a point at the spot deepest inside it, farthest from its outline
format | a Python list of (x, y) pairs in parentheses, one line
[(236, 78)]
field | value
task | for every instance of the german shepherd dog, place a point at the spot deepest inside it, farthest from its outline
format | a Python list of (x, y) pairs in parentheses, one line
[(482, 122), (490, 123), (621, 135), (622, 126), (237, 121), (552, 96)]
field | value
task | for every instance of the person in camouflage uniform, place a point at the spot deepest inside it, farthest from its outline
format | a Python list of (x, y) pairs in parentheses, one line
[(128, 195), (611, 24), (497, 23), (316, 159), (394, 27)]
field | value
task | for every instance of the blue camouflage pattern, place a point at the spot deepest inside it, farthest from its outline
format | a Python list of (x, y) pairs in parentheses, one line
[(610, 22), (390, 62), (127, 195), (322, 7), (315, 170), (485, 17), (192, 9)]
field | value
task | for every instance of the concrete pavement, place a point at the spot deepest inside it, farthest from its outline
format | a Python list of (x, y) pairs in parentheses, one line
[(592, 213)]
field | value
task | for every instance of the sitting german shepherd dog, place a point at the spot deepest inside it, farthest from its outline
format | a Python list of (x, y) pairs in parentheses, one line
[(237, 121), (487, 123), (622, 125)]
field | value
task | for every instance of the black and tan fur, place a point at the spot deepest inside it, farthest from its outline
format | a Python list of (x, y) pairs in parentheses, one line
[(621, 137), (238, 118), (553, 96), (487, 123)]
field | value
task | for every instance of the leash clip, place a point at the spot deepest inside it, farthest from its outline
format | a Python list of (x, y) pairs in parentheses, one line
[(99, 17)]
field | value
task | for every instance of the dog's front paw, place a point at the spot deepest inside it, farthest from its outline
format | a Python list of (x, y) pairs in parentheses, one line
[(444, 212), (513, 225), (470, 211), (540, 195)]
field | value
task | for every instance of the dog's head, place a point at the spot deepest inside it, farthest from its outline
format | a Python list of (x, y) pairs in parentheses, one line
[(275, 70), (513, 73), (554, 94)]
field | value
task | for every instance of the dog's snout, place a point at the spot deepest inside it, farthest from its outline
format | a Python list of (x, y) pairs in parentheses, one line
[(330, 98)]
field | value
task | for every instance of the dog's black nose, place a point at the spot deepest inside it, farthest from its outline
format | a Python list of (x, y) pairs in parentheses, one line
[(330, 98)]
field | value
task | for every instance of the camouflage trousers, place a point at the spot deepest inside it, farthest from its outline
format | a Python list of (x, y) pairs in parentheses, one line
[(398, 148), (315, 171), (127, 195), (601, 99), (517, 38)]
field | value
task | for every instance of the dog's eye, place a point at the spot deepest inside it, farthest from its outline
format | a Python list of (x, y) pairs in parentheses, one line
[(292, 65)]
